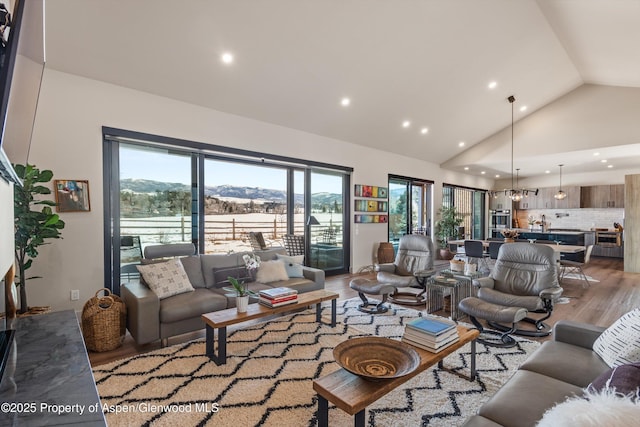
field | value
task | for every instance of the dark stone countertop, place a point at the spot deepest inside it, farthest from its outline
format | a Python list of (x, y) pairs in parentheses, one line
[(48, 378), (562, 232)]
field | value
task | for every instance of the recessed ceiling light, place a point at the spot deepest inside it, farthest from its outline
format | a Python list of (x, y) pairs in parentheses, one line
[(497, 175), (523, 108), (461, 144), (424, 131), (483, 172), (596, 154), (227, 58), (603, 161), (547, 171), (345, 102), (493, 85), (609, 166), (406, 124), (466, 168)]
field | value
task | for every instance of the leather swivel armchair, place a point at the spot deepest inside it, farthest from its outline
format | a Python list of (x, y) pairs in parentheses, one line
[(524, 280), (411, 268)]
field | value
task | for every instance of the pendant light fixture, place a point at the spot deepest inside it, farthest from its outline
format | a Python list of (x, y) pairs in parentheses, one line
[(560, 195), (516, 194)]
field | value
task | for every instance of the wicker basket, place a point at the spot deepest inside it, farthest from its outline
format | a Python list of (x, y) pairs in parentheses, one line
[(104, 321)]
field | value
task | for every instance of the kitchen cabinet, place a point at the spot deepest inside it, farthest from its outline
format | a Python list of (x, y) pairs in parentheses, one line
[(608, 251), (607, 243), (602, 196), (546, 200), (500, 202), (572, 201), (528, 202), (589, 238)]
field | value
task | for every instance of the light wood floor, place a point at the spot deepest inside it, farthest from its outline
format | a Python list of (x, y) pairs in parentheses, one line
[(600, 304)]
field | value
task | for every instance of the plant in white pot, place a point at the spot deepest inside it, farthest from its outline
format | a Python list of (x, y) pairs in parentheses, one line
[(241, 286), (242, 293)]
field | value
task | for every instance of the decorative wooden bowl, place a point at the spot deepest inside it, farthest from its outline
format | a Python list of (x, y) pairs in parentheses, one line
[(376, 358)]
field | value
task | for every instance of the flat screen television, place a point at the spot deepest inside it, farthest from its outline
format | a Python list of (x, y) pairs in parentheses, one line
[(21, 67)]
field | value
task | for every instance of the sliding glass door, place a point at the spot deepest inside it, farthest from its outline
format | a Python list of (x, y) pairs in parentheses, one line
[(470, 204), (240, 198), (154, 199), (157, 193), (409, 207), (327, 221)]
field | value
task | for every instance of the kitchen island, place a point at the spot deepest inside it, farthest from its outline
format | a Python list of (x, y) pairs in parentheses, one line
[(561, 237)]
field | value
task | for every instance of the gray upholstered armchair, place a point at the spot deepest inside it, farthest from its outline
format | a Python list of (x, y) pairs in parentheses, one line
[(524, 280), (411, 268)]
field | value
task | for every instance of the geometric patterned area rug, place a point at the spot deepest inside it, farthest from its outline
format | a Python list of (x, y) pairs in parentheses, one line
[(267, 380)]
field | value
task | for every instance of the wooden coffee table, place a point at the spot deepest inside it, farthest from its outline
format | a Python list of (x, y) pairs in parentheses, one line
[(223, 318), (353, 394)]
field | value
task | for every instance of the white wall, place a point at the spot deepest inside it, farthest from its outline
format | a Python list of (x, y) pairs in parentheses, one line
[(7, 254), (68, 140)]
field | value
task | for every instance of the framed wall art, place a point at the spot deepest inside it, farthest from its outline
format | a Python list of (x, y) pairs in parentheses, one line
[(371, 191), (72, 195), (371, 219), (372, 201)]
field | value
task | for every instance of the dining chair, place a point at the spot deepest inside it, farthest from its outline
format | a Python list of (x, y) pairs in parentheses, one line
[(494, 248), (575, 267), (474, 249)]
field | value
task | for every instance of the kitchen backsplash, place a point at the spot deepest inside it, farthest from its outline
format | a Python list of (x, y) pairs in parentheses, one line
[(580, 219)]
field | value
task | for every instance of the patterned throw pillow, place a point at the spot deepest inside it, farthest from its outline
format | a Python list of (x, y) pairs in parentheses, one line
[(166, 279), (292, 264), (619, 344)]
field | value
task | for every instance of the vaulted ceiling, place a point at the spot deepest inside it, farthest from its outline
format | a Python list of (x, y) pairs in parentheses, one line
[(429, 62)]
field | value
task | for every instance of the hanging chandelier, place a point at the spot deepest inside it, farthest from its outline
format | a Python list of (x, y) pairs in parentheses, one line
[(560, 195), (516, 193)]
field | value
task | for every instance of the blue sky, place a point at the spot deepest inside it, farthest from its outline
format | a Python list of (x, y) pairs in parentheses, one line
[(157, 165)]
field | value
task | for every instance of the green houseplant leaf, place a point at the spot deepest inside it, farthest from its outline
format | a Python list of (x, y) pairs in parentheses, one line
[(241, 289), (447, 226), (34, 222)]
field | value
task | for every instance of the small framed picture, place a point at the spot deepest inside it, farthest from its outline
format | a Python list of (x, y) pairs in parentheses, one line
[(72, 195)]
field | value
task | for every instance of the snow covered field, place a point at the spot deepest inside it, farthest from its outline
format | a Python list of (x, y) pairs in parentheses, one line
[(224, 233)]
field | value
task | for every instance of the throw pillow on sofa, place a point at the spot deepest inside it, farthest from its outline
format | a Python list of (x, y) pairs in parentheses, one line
[(624, 379), (292, 264), (619, 344), (271, 271), (166, 279), (221, 275)]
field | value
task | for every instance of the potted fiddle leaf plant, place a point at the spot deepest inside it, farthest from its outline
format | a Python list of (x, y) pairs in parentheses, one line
[(446, 229), (34, 222)]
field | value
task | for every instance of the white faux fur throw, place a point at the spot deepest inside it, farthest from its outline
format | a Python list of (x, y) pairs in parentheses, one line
[(594, 409)]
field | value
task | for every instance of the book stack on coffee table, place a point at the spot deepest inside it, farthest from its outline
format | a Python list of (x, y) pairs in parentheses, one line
[(431, 333), (277, 297)]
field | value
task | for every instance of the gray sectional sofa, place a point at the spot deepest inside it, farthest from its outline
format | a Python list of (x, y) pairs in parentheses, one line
[(560, 368), (150, 319)]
